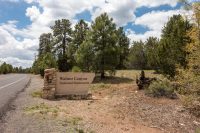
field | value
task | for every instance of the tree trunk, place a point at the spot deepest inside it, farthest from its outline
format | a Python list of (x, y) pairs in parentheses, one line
[(102, 68), (102, 75), (63, 44), (198, 26)]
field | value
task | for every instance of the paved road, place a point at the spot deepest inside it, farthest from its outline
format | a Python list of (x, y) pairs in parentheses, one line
[(10, 85)]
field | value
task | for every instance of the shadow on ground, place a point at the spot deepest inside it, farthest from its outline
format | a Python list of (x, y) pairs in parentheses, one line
[(113, 80)]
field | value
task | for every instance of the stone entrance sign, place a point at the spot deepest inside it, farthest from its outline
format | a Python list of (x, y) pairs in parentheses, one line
[(72, 83)]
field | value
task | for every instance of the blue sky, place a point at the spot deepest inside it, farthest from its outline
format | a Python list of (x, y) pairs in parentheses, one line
[(22, 21)]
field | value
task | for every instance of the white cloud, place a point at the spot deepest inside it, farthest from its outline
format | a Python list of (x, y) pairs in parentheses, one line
[(154, 21), (11, 48), (143, 37), (121, 11), (33, 13), (18, 62)]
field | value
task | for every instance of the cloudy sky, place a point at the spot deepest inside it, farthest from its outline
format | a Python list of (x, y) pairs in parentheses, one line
[(22, 21)]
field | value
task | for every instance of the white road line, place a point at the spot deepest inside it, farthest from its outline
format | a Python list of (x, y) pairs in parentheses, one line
[(12, 83)]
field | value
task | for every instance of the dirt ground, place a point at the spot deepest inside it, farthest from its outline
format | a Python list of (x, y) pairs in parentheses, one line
[(116, 107)]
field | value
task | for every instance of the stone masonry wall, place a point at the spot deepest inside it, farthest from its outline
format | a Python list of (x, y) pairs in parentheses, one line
[(49, 83)]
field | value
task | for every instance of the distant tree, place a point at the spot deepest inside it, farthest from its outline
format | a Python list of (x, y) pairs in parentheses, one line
[(123, 46), (136, 57), (6, 68), (20, 69), (104, 38), (85, 56), (15, 69), (44, 62), (35, 67), (151, 46), (171, 50), (45, 43), (62, 32), (79, 34)]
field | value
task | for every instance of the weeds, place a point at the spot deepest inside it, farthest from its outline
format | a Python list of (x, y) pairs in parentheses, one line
[(197, 130), (100, 86), (42, 109), (72, 121), (37, 94), (73, 124)]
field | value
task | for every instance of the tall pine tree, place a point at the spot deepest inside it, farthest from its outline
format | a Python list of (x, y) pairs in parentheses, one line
[(62, 32), (104, 38), (123, 47), (171, 51)]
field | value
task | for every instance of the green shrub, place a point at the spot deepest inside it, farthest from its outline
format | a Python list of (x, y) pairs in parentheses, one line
[(161, 88), (76, 69)]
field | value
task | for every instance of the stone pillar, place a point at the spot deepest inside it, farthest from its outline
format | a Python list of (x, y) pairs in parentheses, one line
[(49, 83)]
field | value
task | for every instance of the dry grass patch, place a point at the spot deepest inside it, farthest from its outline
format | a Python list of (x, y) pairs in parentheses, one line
[(131, 74), (42, 108), (99, 86), (37, 94), (72, 121)]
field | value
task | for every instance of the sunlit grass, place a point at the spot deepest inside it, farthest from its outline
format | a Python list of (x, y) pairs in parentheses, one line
[(133, 73)]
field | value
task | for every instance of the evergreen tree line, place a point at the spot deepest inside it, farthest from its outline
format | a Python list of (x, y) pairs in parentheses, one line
[(7, 68), (98, 48), (103, 47), (166, 54)]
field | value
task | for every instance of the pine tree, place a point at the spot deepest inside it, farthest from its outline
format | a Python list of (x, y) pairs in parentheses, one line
[(104, 38), (62, 32), (136, 57), (79, 34), (151, 46), (171, 50), (85, 56), (45, 43), (123, 46)]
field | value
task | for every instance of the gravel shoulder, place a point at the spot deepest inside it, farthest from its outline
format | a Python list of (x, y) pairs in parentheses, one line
[(115, 108)]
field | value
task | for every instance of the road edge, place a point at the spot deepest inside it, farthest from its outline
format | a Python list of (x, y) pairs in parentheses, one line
[(8, 107)]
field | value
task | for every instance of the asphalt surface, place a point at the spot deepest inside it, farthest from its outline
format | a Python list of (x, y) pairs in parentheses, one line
[(10, 86)]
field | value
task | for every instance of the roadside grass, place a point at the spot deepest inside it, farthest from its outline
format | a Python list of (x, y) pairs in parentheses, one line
[(42, 108), (36, 94), (72, 123)]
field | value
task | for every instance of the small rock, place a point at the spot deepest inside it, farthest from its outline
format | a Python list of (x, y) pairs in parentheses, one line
[(180, 109), (196, 123)]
